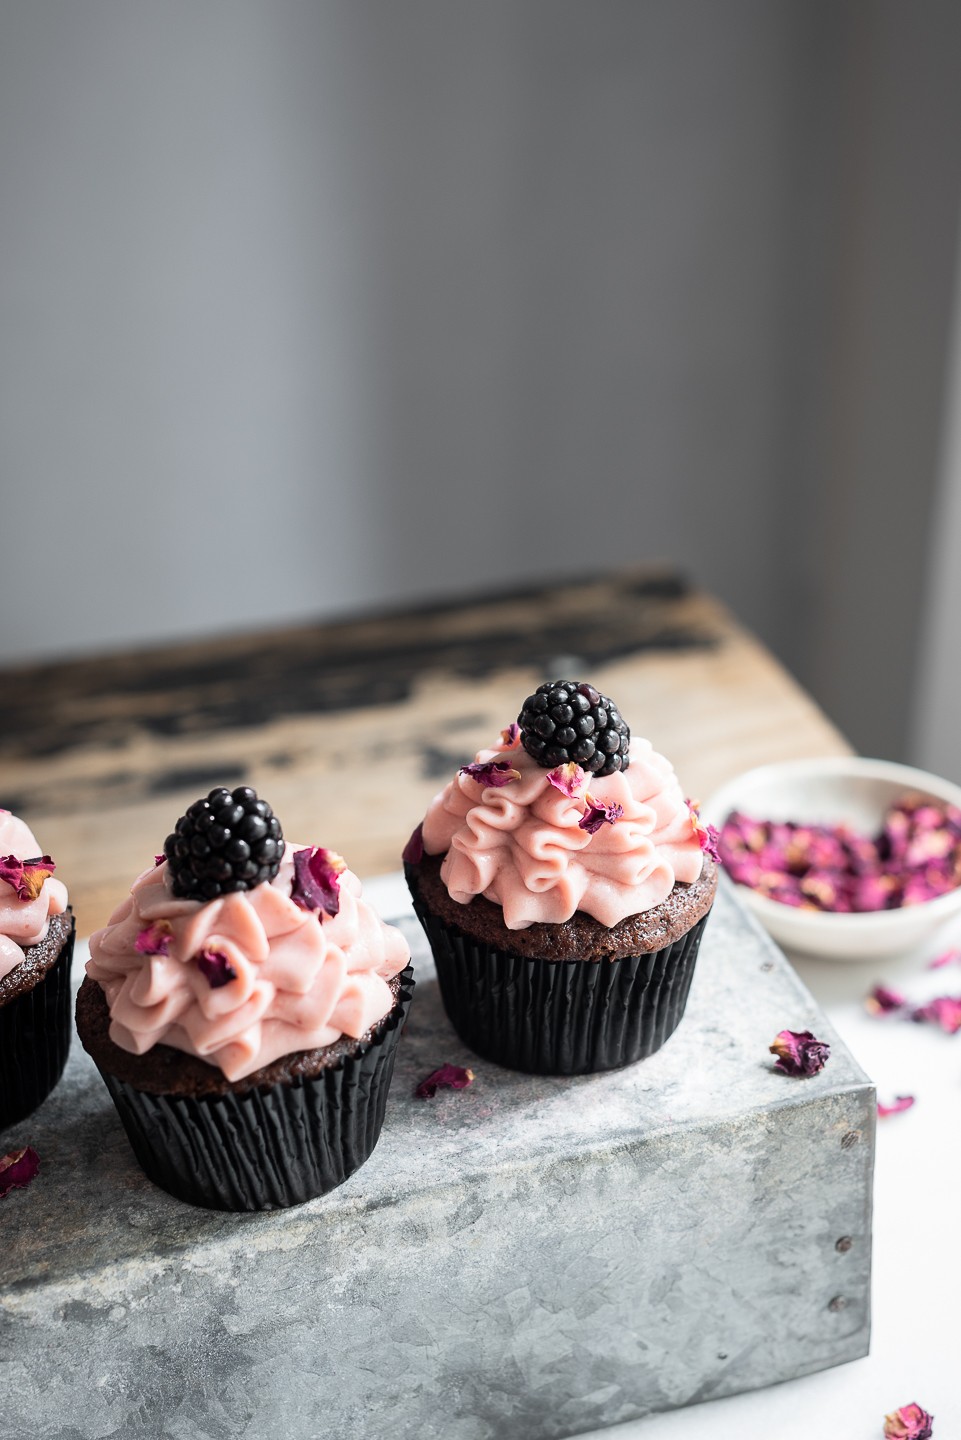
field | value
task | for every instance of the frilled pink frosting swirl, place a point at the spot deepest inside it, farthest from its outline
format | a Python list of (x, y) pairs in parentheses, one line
[(24, 922), (301, 978), (521, 844)]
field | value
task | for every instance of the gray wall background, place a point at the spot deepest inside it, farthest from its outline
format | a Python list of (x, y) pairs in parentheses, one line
[(305, 308)]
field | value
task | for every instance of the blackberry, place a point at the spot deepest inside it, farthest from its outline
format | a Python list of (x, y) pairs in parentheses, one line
[(566, 720), (230, 841)]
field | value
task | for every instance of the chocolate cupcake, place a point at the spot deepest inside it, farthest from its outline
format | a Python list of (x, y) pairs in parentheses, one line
[(243, 1007), (564, 883), (36, 948)]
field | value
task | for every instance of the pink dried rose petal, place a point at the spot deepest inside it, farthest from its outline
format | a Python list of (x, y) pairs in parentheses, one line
[(908, 1422), (599, 813), (316, 882), (158, 860), (899, 1104), (215, 968), (413, 851), (799, 1053), (568, 779), (154, 939), (26, 876), (708, 837), (17, 1169), (511, 736), (451, 1077), (883, 1000), (948, 957), (944, 1010), (492, 774)]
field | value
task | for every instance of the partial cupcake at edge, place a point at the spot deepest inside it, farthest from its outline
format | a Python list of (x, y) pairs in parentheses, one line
[(243, 1006), (36, 948), (564, 882)]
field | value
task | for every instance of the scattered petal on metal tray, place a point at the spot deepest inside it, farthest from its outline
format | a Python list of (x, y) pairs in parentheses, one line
[(449, 1077), (17, 1169), (799, 1053)]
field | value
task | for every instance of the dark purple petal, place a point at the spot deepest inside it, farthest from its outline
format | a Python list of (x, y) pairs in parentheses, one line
[(799, 1053), (599, 813), (154, 939), (316, 882), (215, 968), (900, 1103), (452, 1077), (944, 1010), (568, 779), (882, 1000), (908, 1422), (26, 876), (158, 860), (492, 774), (511, 736), (17, 1169), (413, 851)]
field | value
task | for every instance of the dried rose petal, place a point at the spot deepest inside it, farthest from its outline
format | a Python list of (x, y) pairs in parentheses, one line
[(568, 779), (599, 813), (901, 1103), (154, 939), (26, 876), (17, 1169), (909, 1422), (944, 1010), (708, 836), (492, 774), (882, 1000), (413, 851), (947, 958), (215, 968), (316, 882), (158, 860), (799, 1053), (452, 1077), (511, 736)]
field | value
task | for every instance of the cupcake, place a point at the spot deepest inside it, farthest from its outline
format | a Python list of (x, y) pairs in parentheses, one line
[(564, 883), (36, 948), (243, 1006)]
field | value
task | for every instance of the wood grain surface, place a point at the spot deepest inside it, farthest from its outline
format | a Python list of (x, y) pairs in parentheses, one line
[(349, 728)]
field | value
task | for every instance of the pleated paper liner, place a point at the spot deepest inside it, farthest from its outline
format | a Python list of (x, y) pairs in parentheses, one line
[(559, 1017), (267, 1148), (35, 1030)]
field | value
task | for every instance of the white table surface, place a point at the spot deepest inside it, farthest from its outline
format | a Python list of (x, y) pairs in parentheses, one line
[(916, 1341)]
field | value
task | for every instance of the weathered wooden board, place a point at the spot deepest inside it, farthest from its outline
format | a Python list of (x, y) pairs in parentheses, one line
[(348, 728)]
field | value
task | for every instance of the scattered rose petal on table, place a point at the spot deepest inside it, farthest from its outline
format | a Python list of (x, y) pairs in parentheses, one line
[(943, 1010), (900, 1103), (450, 1077), (947, 958), (883, 1000), (799, 1053), (17, 1169), (909, 1422)]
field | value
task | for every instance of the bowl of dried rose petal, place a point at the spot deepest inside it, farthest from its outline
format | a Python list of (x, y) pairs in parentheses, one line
[(843, 857)]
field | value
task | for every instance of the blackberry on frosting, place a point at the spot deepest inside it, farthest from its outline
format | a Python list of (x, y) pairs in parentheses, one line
[(229, 841), (569, 721)]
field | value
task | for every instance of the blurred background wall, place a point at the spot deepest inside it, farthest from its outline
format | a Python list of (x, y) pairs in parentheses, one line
[(311, 307)]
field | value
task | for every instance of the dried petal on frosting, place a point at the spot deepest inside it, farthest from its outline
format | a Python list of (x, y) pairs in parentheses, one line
[(899, 1104), (568, 779), (215, 968), (511, 736), (159, 859), (316, 883), (492, 774), (450, 1077), (154, 939), (413, 851), (908, 1422), (883, 1000), (26, 876), (944, 1010), (708, 836), (599, 813), (17, 1169), (799, 1053)]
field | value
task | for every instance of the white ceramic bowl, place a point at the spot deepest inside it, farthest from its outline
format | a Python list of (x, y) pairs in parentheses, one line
[(838, 788)]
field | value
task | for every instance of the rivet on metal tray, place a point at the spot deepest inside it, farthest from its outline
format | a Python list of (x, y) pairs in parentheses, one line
[(851, 1138), (844, 1244), (838, 1303)]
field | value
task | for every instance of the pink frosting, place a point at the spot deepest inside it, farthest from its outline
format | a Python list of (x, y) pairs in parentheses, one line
[(301, 978), (24, 922), (521, 845)]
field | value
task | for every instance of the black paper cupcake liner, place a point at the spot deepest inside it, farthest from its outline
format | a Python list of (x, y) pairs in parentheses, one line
[(267, 1148), (559, 1017), (35, 1030)]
